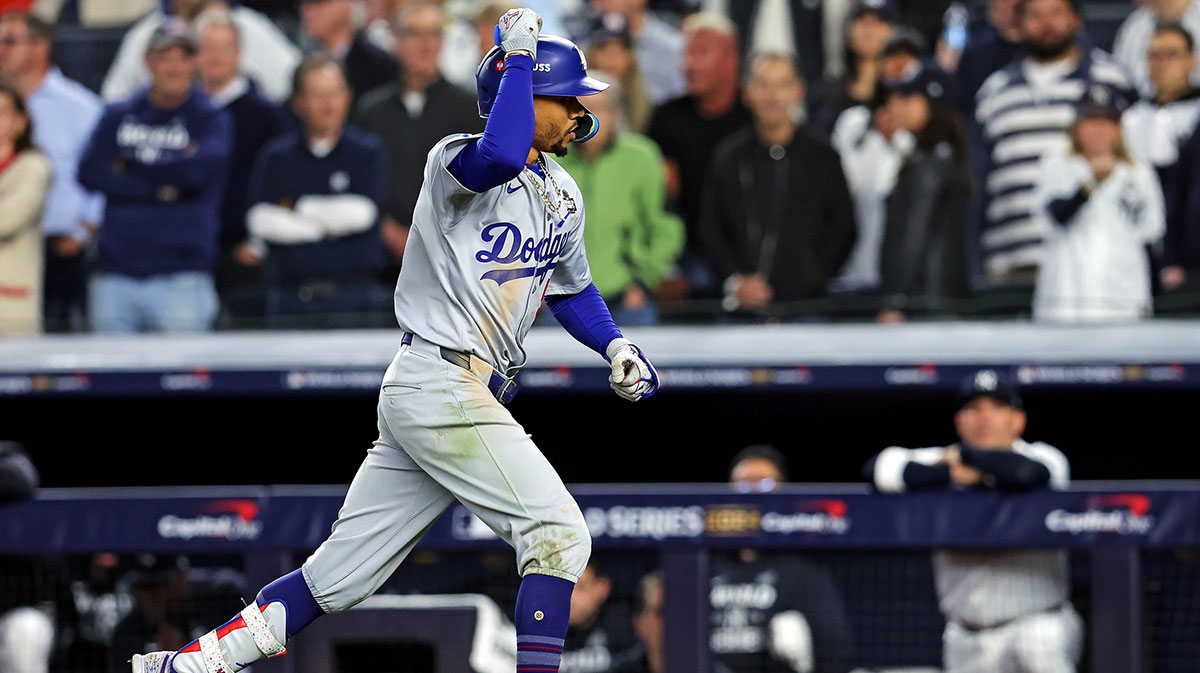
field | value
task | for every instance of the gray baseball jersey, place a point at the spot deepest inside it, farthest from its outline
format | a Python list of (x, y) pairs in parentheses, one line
[(478, 264)]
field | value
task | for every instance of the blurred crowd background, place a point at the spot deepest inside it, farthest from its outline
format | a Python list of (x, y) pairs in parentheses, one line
[(196, 164)]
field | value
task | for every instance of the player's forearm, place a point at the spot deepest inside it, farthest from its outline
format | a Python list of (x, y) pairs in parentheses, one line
[(499, 156), (892, 471), (1011, 471), (585, 316)]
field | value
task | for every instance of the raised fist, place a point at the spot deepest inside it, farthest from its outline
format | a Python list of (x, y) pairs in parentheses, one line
[(517, 31)]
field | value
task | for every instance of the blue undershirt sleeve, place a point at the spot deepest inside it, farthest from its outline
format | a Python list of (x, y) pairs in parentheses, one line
[(1012, 471), (1062, 210), (500, 154), (585, 316)]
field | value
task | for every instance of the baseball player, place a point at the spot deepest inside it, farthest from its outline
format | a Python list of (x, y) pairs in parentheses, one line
[(1006, 611), (497, 226)]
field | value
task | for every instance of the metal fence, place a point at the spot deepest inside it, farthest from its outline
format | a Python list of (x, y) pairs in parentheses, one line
[(93, 559)]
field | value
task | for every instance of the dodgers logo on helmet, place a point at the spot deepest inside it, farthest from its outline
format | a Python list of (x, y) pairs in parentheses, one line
[(560, 70)]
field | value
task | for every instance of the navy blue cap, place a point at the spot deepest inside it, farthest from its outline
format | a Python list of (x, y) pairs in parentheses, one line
[(989, 383), (1099, 100), (925, 78), (884, 8), (610, 26), (907, 41)]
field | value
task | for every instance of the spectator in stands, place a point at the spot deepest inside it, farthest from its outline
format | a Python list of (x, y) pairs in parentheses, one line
[(649, 656), (1023, 111), (610, 49), (924, 257), (871, 24), (1158, 129), (63, 113), (777, 221), (268, 58), (171, 604), (316, 194), (1102, 209), (160, 159), (33, 590), (902, 54), (256, 121), (468, 39), (784, 27), (990, 46), (410, 115), (24, 182), (332, 24), (377, 24), (1005, 610), (774, 612), (598, 632), (1132, 45), (631, 240), (659, 47), (687, 129), (101, 601), (872, 147)]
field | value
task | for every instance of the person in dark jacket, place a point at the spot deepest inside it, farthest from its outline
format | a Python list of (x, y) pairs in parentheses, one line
[(991, 45), (687, 130), (771, 611), (316, 194), (777, 220), (160, 160), (923, 261), (868, 28), (410, 115), (255, 122), (331, 24)]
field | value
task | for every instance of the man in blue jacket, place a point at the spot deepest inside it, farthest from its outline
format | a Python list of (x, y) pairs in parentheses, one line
[(160, 160)]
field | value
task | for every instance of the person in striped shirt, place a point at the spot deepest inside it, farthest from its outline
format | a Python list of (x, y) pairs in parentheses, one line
[(1023, 111)]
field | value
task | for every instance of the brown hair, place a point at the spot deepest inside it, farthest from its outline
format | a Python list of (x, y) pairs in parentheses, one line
[(312, 63), (25, 140)]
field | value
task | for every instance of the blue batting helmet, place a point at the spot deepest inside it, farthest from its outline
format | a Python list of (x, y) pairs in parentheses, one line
[(561, 70)]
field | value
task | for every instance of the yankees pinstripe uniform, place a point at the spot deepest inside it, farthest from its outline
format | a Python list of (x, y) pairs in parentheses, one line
[(1006, 611)]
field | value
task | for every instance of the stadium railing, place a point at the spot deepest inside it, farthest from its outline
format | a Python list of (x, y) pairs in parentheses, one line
[(1117, 533)]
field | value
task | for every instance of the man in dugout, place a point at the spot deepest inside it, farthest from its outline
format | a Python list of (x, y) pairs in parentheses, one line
[(1007, 611)]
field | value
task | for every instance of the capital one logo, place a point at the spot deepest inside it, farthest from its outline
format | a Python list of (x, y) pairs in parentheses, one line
[(827, 517), (217, 520), (1119, 514)]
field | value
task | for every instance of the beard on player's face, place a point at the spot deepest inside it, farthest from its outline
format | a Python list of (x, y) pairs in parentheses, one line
[(552, 137)]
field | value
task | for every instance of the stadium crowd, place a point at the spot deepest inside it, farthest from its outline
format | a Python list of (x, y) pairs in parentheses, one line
[(872, 159)]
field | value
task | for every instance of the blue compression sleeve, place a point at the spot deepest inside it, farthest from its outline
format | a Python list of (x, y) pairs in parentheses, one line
[(1062, 210), (500, 154), (585, 316), (1012, 471)]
